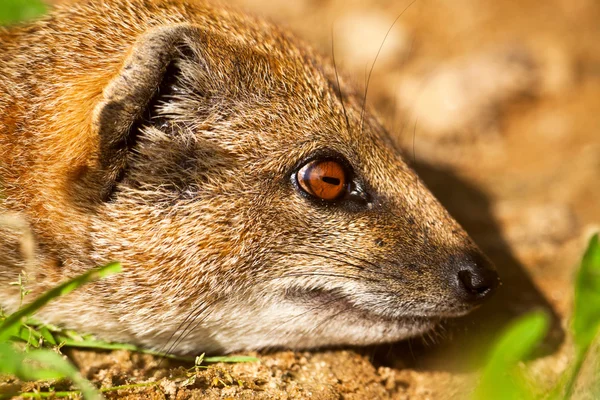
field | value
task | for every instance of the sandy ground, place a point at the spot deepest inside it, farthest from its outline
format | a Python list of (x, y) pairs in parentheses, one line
[(497, 104)]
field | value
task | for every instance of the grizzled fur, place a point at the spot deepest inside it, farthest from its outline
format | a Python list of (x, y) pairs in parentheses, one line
[(165, 134)]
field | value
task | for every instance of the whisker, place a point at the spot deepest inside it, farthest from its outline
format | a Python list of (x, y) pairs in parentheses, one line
[(375, 61), (415, 164), (337, 79), (376, 271), (328, 257), (329, 275), (357, 258), (395, 105), (413, 142), (320, 324), (410, 349), (294, 317), (162, 349), (354, 257), (186, 324), (195, 323)]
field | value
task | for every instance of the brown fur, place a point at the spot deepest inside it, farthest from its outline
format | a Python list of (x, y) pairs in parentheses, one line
[(165, 134)]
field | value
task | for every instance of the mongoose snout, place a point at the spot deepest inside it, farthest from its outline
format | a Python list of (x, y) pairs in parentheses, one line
[(252, 199)]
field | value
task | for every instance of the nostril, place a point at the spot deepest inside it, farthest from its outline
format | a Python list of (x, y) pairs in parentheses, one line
[(476, 278), (476, 285)]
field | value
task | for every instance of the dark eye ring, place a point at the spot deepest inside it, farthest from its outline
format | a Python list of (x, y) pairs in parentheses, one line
[(325, 179)]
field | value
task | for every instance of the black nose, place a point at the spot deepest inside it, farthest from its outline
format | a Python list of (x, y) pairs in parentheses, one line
[(477, 278)]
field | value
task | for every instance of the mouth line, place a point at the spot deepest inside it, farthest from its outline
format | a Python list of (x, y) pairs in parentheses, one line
[(332, 300)]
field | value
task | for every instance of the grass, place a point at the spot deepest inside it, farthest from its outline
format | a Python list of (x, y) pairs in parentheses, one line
[(33, 360), (30, 350), (69, 338), (14, 11), (504, 377)]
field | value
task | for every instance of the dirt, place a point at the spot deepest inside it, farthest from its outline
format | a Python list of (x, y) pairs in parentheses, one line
[(497, 104)]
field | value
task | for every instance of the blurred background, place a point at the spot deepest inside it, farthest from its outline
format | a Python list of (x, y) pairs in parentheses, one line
[(497, 104)]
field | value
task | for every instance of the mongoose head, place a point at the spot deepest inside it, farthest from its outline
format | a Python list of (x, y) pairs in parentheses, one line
[(251, 199)]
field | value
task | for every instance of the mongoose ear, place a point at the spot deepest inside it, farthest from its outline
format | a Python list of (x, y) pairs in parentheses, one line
[(128, 97)]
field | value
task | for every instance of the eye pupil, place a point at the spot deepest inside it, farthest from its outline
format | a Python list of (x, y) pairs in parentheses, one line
[(331, 180), (324, 179)]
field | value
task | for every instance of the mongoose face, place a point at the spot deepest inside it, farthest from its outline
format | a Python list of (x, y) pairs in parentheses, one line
[(253, 202)]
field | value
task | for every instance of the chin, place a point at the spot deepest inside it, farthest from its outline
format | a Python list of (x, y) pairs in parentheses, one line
[(282, 325)]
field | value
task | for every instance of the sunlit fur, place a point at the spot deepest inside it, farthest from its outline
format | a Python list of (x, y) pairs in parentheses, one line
[(221, 251)]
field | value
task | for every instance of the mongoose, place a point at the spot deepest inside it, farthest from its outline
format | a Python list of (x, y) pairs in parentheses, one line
[(252, 200)]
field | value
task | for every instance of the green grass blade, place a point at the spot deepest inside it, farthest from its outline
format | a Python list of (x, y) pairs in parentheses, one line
[(42, 365), (67, 338), (10, 359), (586, 312), (11, 324), (89, 343), (12, 11), (49, 395), (56, 364), (230, 359), (47, 336), (500, 379)]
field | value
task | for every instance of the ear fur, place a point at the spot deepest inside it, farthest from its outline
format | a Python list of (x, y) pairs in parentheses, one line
[(127, 98)]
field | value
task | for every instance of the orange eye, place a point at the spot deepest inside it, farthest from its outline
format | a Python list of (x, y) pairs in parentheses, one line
[(323, 179)]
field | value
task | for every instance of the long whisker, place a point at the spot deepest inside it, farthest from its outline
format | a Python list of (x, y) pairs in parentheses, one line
[(186, 324), (415, 163), (197, 321), (375, 271), (330, 275), (337, 79), (320, 324), (375, 61), (413, 142), (320, 306), (294, 317), (352, 256), (395, 114), (185, 321), (307, 253)]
